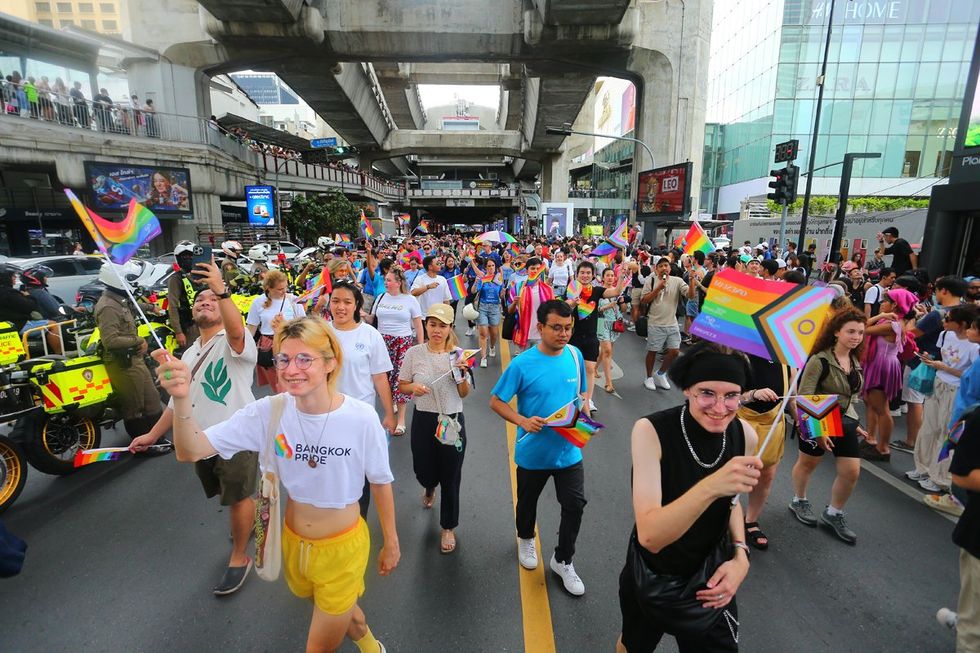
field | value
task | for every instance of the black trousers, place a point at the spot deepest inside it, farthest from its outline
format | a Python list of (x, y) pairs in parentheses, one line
[(437, 464), (570, 488)]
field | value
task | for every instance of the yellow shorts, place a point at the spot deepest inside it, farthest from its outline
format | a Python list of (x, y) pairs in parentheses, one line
[(331, 569)]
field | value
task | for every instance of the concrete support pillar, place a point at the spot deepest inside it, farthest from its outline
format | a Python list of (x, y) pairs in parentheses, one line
[(554, 179), (655, 118)]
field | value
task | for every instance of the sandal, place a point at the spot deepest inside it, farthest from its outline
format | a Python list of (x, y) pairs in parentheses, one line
[(610, 389), (448, 543), (428, 499), (755, 536), (399, 430)]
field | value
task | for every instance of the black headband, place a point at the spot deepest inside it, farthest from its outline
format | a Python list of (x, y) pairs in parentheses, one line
[(716, 367)]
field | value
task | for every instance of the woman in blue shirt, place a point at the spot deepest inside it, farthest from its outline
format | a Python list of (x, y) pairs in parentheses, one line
[(449, 270), (488, 284)]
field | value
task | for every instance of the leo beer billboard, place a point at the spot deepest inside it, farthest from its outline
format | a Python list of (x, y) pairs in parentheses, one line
[(664, 192)]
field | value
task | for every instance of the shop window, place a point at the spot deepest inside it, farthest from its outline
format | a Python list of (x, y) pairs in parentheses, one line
[(910, 168)]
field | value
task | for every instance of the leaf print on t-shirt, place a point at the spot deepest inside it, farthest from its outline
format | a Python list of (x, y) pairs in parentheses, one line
[(216, 383)]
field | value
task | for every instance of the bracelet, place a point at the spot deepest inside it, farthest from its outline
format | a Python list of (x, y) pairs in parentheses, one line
[(183, 416), (744, 547)]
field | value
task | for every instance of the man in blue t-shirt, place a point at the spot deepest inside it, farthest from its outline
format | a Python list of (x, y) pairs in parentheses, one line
[(544, 378)]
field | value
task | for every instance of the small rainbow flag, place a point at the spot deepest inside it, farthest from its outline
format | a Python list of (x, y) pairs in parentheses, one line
[(770, 319), (620, 236), (118, 240), (344, 238), (697, 240), (564, 416), (574, 289), (819, 416), (952, 439), (457, 287), (584, 308), (604, 249), (366, 227), (423, 226), (468, 355), (89, 456), (283, 450), (580, 431), (531, 278), (488, 277)]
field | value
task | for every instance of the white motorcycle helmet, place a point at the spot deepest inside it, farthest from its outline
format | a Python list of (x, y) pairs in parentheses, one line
[(113, 275), (260, 252), (324, 242), (184, 247), (232, 248)]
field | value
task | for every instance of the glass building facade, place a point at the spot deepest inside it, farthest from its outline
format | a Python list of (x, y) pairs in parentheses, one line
[(896, 75)]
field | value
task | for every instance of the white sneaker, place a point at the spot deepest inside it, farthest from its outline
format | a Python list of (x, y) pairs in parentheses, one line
[(573, 584), (896, 413), (913, 475), (493, 352), (905, 409), (929, 485), (527, 554), (469, 331), (947, 617), (592, 408), (661, 381), (650, 384), (483, 362)]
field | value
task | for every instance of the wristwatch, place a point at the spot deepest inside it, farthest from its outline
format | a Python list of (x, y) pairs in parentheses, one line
[(223, 295)]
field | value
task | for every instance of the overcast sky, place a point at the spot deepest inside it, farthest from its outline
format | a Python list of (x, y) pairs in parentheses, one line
[(434, 95)]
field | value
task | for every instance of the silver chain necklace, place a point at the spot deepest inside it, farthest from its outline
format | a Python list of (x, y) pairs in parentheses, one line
[(312, 461), (691, 448)]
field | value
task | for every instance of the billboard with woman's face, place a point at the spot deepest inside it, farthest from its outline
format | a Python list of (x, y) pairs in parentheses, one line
[(160, 189), (663, 192)]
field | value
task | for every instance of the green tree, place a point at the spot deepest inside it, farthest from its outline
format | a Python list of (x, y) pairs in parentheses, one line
[(325, 215), (827, 204)]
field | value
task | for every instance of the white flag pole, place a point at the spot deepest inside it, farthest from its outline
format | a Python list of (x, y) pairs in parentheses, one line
[(790, 393)]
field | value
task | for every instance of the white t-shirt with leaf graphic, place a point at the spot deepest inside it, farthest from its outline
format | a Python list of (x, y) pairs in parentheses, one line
[(222, 384)]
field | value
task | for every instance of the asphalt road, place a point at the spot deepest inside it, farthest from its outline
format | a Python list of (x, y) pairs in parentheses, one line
[(123, 555)]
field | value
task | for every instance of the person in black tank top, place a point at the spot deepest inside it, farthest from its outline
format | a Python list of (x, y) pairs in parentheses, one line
[(687, 555)]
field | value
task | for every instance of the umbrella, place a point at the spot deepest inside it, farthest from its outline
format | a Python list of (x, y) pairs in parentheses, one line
[(495, 237)]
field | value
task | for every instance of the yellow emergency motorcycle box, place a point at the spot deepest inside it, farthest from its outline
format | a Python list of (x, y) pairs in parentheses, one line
[(74, 383), (11, 347)]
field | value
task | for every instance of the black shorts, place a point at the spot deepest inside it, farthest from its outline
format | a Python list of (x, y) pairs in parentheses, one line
[(589, 346), (844, 447)]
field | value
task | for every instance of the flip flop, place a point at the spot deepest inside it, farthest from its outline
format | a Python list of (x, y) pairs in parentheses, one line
[(445, 548)]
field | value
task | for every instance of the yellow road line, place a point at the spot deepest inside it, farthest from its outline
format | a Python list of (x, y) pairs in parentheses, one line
[(539, 634)]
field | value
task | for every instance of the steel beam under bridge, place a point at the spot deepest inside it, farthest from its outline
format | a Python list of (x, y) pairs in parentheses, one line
[(403, 142)]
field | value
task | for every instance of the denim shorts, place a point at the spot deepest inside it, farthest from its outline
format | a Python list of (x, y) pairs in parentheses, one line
[(489, 314), (33, 324)]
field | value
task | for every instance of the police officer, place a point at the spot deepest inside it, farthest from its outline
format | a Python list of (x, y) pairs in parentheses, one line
[(122, 350), (234, 277), (181, 289)]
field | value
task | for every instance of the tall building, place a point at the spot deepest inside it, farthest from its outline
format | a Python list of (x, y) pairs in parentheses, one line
[(103, 17), (896, 75)]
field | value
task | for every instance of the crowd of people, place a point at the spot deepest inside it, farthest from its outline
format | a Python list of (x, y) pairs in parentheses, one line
[(348, 341)]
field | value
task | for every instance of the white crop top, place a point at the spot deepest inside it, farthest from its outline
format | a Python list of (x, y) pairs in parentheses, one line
[(347, 444)]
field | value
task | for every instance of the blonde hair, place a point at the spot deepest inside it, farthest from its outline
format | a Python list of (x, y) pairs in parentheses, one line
[(335, 264), (271, 279), (315, 333), (399, 273)]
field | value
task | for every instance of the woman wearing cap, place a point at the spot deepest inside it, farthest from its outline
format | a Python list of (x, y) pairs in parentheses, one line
[(687, 555), (398, 317), (325, 542), (435, 373), (883, 370), (834, 369), (856, 286), (268, 311)]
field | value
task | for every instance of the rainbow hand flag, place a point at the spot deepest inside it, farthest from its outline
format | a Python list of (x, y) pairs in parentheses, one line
[(423, 226), (488, 278), (574, 289), (819, 416), (468, 355), (89, 456), (697, 240), (118, 240), (580, 431), (366, 229), (620, 236), (532, 278), (457, 287), (584, 308), (283, 450), (952, 439), (564, 416), (770, 319), (604, 249)]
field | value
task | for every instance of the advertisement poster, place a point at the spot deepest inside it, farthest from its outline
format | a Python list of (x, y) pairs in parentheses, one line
[(557, 219), (973, 129), (159, 189), (260, 202), (664, 191)]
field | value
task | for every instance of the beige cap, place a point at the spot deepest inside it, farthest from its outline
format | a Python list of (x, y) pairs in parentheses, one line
[(442, 312)]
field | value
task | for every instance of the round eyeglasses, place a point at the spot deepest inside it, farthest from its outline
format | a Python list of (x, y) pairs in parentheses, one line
[(302, 361), (709, 398)]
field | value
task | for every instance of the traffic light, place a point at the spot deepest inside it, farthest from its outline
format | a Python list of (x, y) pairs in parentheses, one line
[(784, 183), (778, 184)]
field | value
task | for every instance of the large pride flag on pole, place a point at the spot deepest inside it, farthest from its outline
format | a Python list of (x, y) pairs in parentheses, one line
[(770, 319), (118, 240)]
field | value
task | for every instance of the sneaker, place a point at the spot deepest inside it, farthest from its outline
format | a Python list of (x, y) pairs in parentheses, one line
[(527, 553), (483, 362), (661, 381), (947, 617), (573, 584), (382, 648), (650, 383), (904, 409), (803, 511), (929, 485), (946, 503), (493, 352), (592, 408), (902, 445), (632, 328), (896, 413), (913, 475), (469, 331), (840, 527), (233, 579)]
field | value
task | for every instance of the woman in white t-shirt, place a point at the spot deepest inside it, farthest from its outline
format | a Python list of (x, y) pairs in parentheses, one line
[(327, 443), (398, 316), (267, 312), (560, 273)]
